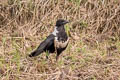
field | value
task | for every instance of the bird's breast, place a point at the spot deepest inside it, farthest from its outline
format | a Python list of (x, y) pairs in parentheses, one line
[(60, 44)]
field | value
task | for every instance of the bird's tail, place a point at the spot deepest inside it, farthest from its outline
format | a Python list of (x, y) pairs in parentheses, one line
[(35, 53)]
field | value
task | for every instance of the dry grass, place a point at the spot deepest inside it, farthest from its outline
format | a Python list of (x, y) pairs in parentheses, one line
[(94, 49)]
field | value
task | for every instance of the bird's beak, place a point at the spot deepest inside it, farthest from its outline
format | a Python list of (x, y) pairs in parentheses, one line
[(66, 22)]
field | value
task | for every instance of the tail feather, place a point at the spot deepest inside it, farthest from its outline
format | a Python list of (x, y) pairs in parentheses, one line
[(35, 53)]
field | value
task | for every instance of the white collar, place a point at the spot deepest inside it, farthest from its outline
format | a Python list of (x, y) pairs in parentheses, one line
[(55, 31)]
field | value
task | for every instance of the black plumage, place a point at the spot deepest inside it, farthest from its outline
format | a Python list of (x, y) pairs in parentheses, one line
[(57, 41)]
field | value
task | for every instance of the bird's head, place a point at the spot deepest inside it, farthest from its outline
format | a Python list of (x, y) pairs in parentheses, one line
[(61, 22)]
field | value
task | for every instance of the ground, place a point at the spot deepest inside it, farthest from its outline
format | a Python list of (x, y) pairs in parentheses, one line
[(93, 52)]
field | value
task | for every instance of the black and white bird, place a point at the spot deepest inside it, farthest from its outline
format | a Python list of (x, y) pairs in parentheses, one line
[(57, 41)]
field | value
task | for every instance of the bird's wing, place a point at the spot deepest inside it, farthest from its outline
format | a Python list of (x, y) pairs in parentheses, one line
[(47, 42)]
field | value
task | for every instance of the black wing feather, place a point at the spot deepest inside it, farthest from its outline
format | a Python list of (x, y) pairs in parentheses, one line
[(42, 47)]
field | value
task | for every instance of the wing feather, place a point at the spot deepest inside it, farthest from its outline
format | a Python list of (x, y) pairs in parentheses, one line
[(41, 48)]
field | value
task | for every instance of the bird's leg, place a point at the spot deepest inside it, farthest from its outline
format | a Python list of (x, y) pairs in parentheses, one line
[(46, 57), (57, 56), (47, 54), (55, 46), (55, 50)]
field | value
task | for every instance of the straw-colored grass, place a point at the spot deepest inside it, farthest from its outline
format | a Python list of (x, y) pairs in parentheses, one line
[(93, 52)]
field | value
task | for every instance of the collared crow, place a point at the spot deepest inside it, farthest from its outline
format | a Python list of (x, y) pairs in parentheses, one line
[(57, 41)]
